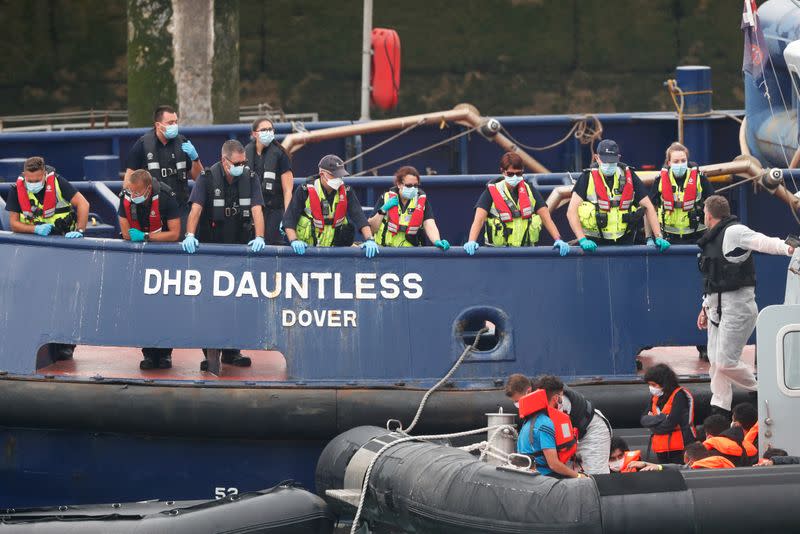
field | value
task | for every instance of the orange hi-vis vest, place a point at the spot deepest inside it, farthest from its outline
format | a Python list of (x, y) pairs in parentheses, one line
[(630, 456), (713, 462), (751, 436), (674, 440), (744, 454), (689, 194), (535, 403)]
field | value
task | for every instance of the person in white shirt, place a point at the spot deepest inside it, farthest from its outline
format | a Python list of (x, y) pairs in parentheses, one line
[(729, 308)]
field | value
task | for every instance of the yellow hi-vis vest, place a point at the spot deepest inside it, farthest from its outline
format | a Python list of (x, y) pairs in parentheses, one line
[(677, 221), (615, 227), (406, 226), (63, 208), (331, 217), (519, 231)]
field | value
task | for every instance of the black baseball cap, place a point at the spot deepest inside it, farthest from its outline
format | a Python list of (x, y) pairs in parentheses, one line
[(334, 165), (608, 151)]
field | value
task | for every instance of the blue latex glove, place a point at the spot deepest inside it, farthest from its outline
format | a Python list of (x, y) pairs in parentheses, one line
[(280, 229), (651, 243), (137, 236), (73, 235), (43, 229), (257, 244), (587, 244), (662, 244), (190, 244), (389, 204), (471, 247), (190, 150), (443, 244), (563, 248), (370, 248), (299, 247)]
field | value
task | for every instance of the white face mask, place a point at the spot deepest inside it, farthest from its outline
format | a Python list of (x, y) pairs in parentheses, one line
[(616, 465), (516, 405), (656, 392), (335, 183), (566, 405)]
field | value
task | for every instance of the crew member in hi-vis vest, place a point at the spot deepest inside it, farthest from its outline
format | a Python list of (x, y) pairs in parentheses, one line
[(403, 216), (511, 212)]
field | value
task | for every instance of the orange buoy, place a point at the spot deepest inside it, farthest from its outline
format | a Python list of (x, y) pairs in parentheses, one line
[(385, 79)]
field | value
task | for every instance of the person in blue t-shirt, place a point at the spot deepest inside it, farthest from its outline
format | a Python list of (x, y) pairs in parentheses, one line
[(543, 448)]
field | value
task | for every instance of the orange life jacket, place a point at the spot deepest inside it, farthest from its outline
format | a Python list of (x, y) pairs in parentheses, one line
[(393, 223), (317, 213), (507, 210), (535, 403), (689, 193), (713, 462), (630, 456), (155, 212), (48, 207), (744, 454), (751, 436), (603, 202), (674, 440)]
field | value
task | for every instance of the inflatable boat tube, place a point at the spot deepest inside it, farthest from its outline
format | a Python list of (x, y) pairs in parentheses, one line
[(425, 487), (280, 413), (282, 509)]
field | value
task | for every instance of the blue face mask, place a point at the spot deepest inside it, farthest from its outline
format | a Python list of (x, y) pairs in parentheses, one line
[(171, 131), (409, 192), (138, 200), (34, 187), (678, 169), (266, 137), (608, 169), (236, 170), (513, 181)]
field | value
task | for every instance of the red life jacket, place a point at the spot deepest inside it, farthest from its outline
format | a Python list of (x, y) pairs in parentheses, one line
[(689, 193), (744, 454), (751, 436), (535, 403), (630, 456), (393, 222), (713, 462), (155, 212), (315, 203), (674, 440), (48, 207), (601, 190), (505, 206)]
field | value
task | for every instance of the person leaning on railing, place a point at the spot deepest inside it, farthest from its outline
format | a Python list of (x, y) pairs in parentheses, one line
[(43, 203), (607, 203), (148, 211), (511, 212), (325, 212), (404, 215)]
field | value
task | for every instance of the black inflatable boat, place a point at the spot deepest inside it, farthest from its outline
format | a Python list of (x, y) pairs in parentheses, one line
[(424, 487), (281, 510)]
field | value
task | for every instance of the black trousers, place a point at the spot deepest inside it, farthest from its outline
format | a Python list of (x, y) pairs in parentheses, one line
[(272, 224), (155, 354)]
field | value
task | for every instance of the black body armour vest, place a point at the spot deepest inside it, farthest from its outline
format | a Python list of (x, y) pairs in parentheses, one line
[(719, 274), (167, 164)]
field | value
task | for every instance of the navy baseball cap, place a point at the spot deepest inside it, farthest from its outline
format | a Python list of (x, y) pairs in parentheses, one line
[(608, 151), (334, 165)]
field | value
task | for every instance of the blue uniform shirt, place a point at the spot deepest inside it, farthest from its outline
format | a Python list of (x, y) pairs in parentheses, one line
[(544, 437)]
